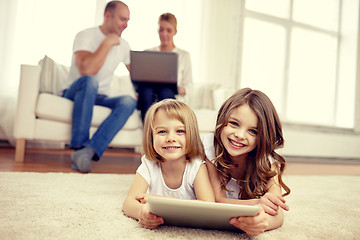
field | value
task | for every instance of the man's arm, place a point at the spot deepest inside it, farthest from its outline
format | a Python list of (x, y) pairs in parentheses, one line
[(90, 63)]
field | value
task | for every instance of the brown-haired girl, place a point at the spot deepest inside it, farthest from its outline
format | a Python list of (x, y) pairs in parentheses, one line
[(242, 163), (173, 162)]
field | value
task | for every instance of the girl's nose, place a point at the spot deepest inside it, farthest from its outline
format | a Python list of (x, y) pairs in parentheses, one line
[(240, 134), (171, 138)]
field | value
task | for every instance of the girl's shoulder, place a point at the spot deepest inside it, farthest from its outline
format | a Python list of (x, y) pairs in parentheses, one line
[(149, 163), (208, 143), (192, 168), (208, 138), (195, 162)]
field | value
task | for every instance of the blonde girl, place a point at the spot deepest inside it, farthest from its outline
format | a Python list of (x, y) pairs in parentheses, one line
[(243, 165), (173, 164)]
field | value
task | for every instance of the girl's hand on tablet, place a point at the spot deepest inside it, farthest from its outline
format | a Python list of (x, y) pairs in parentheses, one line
[(252, 225), (149, 220), (141, 198), (271, 204)]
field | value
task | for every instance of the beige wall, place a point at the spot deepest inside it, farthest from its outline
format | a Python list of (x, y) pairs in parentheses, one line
[(324, 144)]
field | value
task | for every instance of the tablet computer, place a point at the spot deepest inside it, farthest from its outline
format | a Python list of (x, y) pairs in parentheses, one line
[(198, 214)]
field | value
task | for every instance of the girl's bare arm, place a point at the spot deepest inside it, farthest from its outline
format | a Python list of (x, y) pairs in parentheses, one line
[(137, 208), (202, 185), (132, 207)]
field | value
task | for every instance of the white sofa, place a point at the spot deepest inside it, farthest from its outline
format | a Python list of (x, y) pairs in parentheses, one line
[(42, 115)]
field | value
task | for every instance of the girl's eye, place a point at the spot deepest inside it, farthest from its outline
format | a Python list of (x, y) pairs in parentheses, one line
[(253, 131), (181, 131), (235, 124), (161, 131)]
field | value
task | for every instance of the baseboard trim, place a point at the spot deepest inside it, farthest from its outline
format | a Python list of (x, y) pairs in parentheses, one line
[(330, 160)]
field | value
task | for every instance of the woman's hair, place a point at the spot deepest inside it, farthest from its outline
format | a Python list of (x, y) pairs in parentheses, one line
[(269, 138), (176, 110), (170, 18)]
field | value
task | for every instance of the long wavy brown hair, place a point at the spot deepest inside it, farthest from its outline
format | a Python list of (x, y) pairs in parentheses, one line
[(258, 169)]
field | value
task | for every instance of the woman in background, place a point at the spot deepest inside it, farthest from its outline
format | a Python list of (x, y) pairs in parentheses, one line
[(150, 93)]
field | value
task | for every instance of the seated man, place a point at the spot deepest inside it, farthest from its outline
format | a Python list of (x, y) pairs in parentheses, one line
[(97, 52)]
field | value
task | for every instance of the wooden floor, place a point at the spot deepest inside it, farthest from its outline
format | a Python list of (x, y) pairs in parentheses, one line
[(126, 162)]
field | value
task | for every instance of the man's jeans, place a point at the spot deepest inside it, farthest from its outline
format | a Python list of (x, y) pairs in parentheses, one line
[(83, 92)]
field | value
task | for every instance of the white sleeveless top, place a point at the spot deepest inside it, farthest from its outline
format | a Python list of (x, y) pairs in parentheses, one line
[(151, 172)]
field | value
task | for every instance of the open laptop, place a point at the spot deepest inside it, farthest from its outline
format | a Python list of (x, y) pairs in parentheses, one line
[(199, 214), (152, 67)]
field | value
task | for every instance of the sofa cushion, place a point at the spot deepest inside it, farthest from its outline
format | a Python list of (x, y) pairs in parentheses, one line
[(52, 76), (59, 131), (122, 85), (56, 108), (200, 96), (206, 120)]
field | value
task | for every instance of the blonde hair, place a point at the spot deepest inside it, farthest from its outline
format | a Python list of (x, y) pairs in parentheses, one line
[(182, 112), (170, 18), (269, 138)]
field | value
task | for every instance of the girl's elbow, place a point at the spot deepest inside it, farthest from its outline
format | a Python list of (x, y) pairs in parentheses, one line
[(220, 199), (275, 221), (124, 209)]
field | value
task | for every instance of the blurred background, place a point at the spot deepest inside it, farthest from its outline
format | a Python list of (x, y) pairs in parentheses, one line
[(304, 54)]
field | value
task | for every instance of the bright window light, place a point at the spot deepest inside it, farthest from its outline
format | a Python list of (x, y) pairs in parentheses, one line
[(278, 8), (263, 59), (319, 13), (312, 78)]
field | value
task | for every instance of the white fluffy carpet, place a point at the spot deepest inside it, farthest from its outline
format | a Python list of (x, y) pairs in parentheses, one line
[(88, 206)]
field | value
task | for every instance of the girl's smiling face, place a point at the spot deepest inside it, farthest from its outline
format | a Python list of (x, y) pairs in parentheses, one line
[(169, 137), (240, 134)]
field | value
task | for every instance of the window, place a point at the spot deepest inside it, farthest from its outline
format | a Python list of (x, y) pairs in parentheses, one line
[(302, 54)]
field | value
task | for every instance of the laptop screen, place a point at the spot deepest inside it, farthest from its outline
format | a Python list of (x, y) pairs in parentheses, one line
[(154, 67)]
